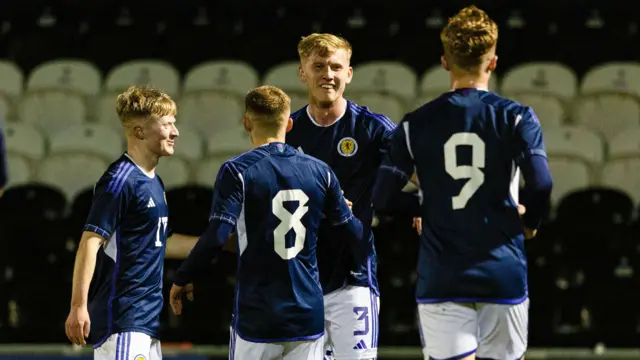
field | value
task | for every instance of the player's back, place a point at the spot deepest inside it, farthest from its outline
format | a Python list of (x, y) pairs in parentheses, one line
[(279, 297), (464, 147)]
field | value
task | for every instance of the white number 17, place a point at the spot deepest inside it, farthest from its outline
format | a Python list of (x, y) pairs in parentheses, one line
[(162, 226), (472, 172)]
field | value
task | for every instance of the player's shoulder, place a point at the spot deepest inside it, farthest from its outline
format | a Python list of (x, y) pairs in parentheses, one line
[(299, 113), (503, 103), (119, 176), (370, 118)]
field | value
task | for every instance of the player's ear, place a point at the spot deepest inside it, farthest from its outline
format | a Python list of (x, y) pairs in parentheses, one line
[(443, 63), (493, 64), (138, 132), (289, 124), (247, 124), (301, 74), (349, 75)]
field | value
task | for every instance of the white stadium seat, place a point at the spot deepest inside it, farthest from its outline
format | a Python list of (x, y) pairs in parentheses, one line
[(153, 73), (626, 144), (20, 170), (568, 175), (229, 143), (608, 114), (385, 77), (549, 78), (574, 142), (94, 139), (286, 77), (211, 112), (71, 173), (381, 104), (77, 76), (174, 171), (436, 81), (11, 88), (52, 110), (225, 76), (189, 145), (207, 170), (24, 140), (615, 77), (549, 109)]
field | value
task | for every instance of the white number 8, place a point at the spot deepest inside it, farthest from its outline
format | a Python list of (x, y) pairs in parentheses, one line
[(473, 172), (289, 221)]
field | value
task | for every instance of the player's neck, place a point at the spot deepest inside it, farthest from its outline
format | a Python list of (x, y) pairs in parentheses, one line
[(146, 161), (470, 82), (326, 116)]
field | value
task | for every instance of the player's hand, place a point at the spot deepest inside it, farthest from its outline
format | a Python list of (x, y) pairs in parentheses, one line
[(349, 203), (232, 244), (417, 224), (530, 233), (521, 210), (175, 297), (78, 325)]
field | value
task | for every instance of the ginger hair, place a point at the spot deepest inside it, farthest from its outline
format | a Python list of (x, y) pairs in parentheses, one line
[(468, 37), (323, 45), (144, 103), (267, 107)]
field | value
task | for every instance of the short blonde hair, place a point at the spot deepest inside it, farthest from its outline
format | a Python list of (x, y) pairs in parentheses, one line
[(267, 106), (144, 103), (323, 45), (469, 36)]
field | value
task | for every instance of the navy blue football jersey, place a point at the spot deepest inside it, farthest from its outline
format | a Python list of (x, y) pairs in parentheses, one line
[(276, 197), (466, 147), (130, 211), (353, 146)]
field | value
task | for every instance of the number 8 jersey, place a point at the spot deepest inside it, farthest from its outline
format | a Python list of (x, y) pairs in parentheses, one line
[(130, 212), (466, 147), (276, 197)]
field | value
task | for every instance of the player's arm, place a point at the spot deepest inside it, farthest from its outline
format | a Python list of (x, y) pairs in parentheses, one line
[(3, 165), (109, 202), (339, 215), (227, 204), (396, 170), (531, 157)]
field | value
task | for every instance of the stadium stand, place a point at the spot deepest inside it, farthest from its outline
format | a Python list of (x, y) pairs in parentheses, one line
[(65, 59)]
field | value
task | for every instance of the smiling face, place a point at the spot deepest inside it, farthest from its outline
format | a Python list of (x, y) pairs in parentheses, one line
[(160, 135), (326, 76)]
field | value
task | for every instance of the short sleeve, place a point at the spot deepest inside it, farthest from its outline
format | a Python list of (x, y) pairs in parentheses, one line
[(336, 209), (528, 136), (109, 204), (384, 133), (228, 194), (399, 159)]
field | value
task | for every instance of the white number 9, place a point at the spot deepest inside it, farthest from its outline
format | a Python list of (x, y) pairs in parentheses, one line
[(289, 221), (472, 172)]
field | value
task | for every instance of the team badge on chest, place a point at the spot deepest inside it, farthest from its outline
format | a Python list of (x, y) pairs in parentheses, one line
[(347, 147)]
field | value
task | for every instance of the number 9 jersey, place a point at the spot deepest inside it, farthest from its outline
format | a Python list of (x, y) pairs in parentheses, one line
[(466, 147)]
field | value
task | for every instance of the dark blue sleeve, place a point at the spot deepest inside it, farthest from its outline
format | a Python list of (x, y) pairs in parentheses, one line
[(3, 162), (531, 157), (336, 209), (208, 246), (227, 195), (110, 199), (227, 205), (384, 133), (395, 171)]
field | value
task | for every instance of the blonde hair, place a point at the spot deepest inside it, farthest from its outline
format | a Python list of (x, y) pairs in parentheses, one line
[(468, 37), (323, 45), (144, 103), (267, 107)]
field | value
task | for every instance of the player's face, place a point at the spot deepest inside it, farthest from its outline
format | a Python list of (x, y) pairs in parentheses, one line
[(326, 77), (161, 135)]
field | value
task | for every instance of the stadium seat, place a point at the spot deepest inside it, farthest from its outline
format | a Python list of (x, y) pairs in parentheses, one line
[(623, 174), (174, 171), (154, 73), (24, 140), (52, 111), (211, 112), (94, 139), (610, 114), (229, 144), (568, 175), (286, 77), (384, 86), (612, 77), (233, 77), (436, 81), (207, 170), (75, 76), (548, 78), (626, 144), (19, 169), (71, 173), (574, 142), (189, 145), (10, 89)]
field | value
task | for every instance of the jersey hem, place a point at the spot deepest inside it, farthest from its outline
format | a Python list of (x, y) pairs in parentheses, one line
[(260, 341), (508, 301)]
